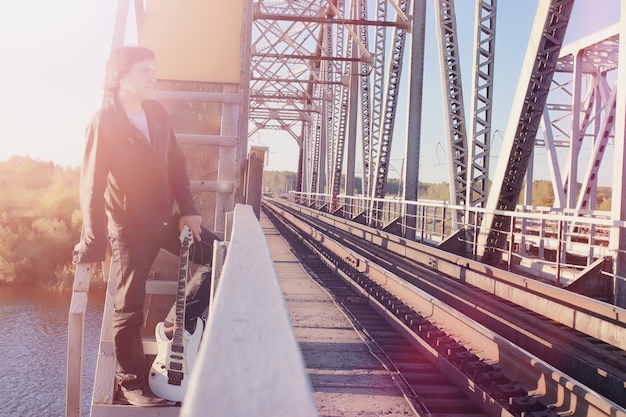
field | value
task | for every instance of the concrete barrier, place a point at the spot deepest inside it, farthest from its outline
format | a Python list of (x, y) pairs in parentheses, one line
[(249, 363)]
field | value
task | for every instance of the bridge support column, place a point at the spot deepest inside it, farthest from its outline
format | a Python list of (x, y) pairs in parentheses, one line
[(353, 103), (414, 130), (618, 210)]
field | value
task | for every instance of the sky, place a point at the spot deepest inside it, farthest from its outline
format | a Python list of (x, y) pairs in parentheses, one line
[(52, 67), (51, 72)]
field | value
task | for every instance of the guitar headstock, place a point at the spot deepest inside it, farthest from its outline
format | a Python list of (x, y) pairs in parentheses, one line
[(186, 237)]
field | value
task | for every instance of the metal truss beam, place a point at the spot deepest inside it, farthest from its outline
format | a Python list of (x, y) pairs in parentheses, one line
[(316, 127), (331, 21), (282, 109), (535, 79), (378, 91), (295, 58), (583, 70), (301, 60), (277, 83), (317, 146), (366, 102), (481, 111), (617, 240), (414, 125), (389, 109), (452, 89), (341, 105), (295, 81), (290, 99), (330, 112), (553, 162), (590, 181)]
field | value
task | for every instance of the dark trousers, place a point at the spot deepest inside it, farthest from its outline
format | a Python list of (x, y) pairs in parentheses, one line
[(132, 258)]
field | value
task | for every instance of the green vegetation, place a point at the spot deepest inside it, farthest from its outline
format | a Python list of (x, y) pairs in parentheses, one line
[(543, 195), (279, 182), (39, 222)]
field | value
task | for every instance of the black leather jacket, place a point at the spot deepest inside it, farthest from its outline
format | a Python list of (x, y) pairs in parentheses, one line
[(127, 180)]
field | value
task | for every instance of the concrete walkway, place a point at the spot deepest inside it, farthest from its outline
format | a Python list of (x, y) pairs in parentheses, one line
[(347, 379)]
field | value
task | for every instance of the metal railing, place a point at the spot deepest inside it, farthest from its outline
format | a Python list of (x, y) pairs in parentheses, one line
[(561, 239), (433, 220)]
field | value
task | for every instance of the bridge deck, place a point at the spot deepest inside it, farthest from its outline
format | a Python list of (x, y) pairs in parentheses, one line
[(347, 379)]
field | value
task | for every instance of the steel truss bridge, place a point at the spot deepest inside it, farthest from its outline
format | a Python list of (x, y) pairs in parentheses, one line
[(328, 72)]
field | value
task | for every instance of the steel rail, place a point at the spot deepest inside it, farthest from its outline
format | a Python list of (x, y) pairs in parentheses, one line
[(580, 357), (590, 316), (490, 357), (428, 390), (428, 254)]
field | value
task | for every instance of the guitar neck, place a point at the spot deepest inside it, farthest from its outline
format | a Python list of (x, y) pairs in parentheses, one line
[(183, 270)]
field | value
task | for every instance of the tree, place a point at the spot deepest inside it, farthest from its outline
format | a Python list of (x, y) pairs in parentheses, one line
[(39, 221), (279, 182), (543, 194)]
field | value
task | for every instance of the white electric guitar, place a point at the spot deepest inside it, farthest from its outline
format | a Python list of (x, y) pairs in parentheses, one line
[(169, 374)]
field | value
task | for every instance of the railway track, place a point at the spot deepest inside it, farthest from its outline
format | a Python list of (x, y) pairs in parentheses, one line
[(471, 337), (425, 386)]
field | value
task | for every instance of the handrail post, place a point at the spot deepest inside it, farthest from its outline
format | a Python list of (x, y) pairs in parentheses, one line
[(444, 220), (422, 223), (475, 238), (558, 252), (75, 337), (511, 243)]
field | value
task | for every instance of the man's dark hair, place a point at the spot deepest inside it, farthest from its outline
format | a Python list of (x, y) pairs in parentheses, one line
[(120, 63)]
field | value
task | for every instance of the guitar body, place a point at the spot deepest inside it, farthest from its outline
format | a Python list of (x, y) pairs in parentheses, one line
[(170, 371)]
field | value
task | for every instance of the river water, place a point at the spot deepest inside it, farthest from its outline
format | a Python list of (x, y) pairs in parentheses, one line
[(33, 351)]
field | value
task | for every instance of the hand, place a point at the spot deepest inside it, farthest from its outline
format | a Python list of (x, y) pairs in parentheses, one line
[(195, 224)]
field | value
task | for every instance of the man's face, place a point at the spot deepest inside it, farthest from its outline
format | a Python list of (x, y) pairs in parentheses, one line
[(139, 81)]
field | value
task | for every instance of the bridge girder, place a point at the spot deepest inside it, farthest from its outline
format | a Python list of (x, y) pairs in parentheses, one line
[(527, 110), (303, 54), (452, 93), (479, 149), (580, 112)]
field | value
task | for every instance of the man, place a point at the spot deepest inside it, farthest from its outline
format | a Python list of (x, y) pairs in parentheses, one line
[(133, 175)]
